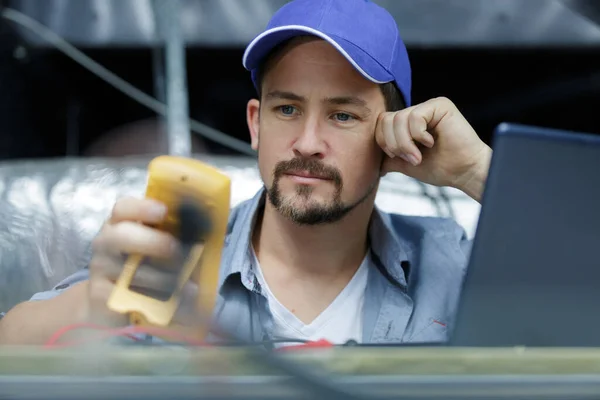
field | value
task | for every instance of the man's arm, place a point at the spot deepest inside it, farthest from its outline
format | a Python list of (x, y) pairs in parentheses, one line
[(34, 322), (125, 232), (433, 143), (474, 184)]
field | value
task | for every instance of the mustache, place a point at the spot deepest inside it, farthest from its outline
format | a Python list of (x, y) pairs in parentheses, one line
[(312, 166)]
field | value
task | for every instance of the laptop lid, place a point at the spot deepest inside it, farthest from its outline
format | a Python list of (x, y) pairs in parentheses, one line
[(534, 271)]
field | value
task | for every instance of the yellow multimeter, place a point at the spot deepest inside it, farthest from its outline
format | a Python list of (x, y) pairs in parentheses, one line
[(172, 181)]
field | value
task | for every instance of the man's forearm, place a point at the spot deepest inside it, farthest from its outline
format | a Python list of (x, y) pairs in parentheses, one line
[(475, 184), (34, 322)]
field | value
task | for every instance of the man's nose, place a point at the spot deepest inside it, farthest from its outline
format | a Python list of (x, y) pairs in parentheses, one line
[(310, 142)]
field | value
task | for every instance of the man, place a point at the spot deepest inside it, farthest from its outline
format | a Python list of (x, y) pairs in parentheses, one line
[(309, 256)]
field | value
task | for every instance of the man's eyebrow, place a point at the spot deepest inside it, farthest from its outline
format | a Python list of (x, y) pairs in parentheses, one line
[(338, 100), (348, 100), (277, 94)]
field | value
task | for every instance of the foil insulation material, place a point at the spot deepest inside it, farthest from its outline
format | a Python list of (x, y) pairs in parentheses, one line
[(52, 209)]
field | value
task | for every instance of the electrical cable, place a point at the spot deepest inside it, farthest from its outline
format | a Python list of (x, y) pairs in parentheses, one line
[(174, 337), (56, 336), (191, 218), (118, 83), (108, 332), (310, 379), (306, 378), (321, 387), (192, 222)]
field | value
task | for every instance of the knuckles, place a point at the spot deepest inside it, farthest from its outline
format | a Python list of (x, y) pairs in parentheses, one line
[(398, 117)]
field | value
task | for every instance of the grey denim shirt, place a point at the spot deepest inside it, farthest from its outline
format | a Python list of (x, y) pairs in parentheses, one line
[(414, 280)]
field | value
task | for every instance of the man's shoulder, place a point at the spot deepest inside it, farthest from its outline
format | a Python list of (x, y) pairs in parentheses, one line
[(430, 234), (440, 227)]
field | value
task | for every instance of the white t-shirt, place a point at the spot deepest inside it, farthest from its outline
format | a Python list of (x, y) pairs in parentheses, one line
[(339, 322)]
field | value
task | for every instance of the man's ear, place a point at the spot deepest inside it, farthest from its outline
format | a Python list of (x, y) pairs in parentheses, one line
[(252, 118)]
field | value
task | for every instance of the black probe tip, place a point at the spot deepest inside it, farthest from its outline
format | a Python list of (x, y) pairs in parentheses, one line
[(194, 222)]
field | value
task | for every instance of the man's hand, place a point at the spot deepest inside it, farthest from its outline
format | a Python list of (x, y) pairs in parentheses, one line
[(127, 232), (434, 143)]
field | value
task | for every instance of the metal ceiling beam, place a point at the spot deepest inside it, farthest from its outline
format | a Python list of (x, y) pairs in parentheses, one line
[(233, 23)]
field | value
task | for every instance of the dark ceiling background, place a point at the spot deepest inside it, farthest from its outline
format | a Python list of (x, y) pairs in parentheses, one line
[(52, 107)]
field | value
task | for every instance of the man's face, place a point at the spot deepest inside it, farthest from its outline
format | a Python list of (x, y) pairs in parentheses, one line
[(314, 133)]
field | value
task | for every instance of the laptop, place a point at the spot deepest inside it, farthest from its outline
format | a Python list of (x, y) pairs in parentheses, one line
[(534, 272)]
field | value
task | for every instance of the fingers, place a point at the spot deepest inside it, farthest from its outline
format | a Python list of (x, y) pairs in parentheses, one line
[(406, 147), (125, 233), (150, 278), (433, 111), (394, 137), (146, 211), (106, 267), (133, 238), (380, 136), (387, 138), (399, 133), (418, 124)]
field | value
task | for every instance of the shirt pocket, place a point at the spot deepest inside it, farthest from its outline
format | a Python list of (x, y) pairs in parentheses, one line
[(434, 331)]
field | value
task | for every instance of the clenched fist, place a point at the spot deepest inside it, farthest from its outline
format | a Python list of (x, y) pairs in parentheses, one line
[(128, 231), (433, 142)]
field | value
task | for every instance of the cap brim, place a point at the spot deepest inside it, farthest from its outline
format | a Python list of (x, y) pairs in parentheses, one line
[(265, 42)]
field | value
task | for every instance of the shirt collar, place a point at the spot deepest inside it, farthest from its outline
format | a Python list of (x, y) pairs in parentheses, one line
[(237, 256)]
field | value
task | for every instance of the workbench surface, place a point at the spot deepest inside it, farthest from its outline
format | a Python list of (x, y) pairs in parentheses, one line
[(117, 360)]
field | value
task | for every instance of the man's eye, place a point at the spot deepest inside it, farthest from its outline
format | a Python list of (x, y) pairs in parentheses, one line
[(287, 110), (343, 117)]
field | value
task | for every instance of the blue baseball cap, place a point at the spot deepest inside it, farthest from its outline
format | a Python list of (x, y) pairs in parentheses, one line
[(362, 31)]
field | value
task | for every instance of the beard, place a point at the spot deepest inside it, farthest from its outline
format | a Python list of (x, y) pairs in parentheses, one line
[(310, 212)]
